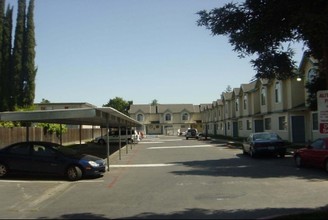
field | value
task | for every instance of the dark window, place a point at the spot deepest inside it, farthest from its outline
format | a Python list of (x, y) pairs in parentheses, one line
[(21, 149)]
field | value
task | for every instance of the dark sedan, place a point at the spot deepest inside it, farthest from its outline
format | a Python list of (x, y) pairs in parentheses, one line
[(314, 154), (261, 143), (49, 158)]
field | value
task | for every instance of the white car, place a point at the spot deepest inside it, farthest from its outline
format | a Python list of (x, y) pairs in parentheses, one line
[(192, 133), (114, 136)]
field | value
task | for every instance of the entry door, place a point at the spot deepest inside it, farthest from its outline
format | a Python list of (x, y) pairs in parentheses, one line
[(258, 126), (298, 129), (235, 129)]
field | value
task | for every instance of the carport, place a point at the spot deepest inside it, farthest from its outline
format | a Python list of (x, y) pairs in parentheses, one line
[(104, 117)]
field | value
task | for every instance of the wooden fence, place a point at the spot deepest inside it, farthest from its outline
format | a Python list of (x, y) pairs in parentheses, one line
[(17, 134)]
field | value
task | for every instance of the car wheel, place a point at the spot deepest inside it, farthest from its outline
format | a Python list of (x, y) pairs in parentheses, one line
[(326, 165), (298, 161), (186, 138), (251, 152), (74, 173), (282, 155), (244, 151), (3, 170), (101, 141)]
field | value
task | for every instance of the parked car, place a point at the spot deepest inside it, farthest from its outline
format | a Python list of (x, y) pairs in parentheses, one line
[(192, 133), (113, 136), (261, 143), (314, 154), (49, 158)]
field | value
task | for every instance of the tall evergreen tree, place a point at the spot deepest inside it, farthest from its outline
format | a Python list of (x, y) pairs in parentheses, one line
[(18, 77), (6, 58), (2, 8), (29, 70)]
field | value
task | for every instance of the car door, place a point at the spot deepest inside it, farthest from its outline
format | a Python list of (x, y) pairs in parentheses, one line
[(315, 155), (18, 157), (46, 160)]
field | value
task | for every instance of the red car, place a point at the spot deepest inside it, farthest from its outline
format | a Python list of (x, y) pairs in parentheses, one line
[(314, 154)]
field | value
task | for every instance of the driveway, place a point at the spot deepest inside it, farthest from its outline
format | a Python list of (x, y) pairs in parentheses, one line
[(170, 177)]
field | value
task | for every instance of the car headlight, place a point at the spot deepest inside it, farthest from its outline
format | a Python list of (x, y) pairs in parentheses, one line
[(93, 164)]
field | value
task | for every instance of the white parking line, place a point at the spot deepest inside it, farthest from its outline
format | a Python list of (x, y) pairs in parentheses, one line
[(173, 147), (145, 165)]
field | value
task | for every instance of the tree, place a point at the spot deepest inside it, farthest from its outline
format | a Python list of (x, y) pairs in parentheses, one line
[(17, 68), (2, 8), (29, 70), (154, 102), (120, 105), (228, 89), (267, 29), (45, 101), (5, 67), (18, 84)]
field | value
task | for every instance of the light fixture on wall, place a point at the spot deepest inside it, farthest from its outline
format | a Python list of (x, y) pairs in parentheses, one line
[(298, 76)]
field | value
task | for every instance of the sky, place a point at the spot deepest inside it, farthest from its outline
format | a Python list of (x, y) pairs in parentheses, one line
[(139, 50)]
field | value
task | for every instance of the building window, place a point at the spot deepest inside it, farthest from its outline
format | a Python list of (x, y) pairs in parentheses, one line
[(245, 101), (228, 125), (267, 123), (240, 125), (315, 125), (237, 104), (168, 117), (263, 96), (249, 125), (282, 123), (185, 117), (277, 92), (140, 117)]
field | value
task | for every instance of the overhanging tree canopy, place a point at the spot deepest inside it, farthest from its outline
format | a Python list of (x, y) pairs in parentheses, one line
[(266, 29)]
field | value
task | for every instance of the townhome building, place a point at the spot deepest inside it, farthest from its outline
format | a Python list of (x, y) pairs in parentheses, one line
[(268, 105), (260, 105), (167, 119)]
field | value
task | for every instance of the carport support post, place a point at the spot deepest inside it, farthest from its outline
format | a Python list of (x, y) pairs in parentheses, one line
[(119, 142), (80, 132), (60, 134), (27, 132), (131, 137), (107, 141), (126, 139)]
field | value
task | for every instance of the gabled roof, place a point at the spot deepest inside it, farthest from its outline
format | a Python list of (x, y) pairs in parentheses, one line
[(236, 91), (249, 87), (162, 108), (227, 95)]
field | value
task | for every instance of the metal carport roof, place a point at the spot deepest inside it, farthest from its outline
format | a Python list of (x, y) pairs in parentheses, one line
[(105, 117)]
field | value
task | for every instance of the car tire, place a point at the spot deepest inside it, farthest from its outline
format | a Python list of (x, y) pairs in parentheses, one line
[(244, 151), (252, 153), (3, 170), (326, 165), (298, 161), (101, 141), (282, 155), (74, 173)]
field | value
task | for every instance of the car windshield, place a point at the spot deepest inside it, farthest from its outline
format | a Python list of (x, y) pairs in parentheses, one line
[(266, 136)]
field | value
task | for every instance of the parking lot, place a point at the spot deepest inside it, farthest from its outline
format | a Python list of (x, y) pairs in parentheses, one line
[(170, 177)]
